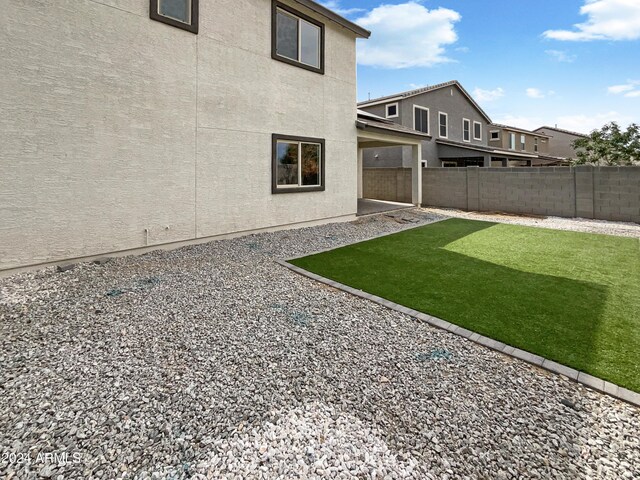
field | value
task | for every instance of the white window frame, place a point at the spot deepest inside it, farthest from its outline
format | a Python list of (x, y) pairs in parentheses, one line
[(512, 141), (386, 110), (418, 107), (535, 144), (523, 142), (474, 131), (491, 132), (446, 115), (468, 122)]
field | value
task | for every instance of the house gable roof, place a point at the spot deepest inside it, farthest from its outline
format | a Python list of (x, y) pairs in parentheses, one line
[(420, 91), (519, 130), (555, 129), (333, 16)]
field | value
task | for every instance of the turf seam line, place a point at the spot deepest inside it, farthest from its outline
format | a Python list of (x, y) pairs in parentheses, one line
[(572, 374)]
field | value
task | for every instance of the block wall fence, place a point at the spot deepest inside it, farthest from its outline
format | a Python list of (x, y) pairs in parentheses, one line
[(604, 193)]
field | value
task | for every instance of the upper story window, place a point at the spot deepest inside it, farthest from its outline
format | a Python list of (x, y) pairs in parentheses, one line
[(535, 144), (466, 130), (512, 141), (297, 39), (391, 110), (443, 124), (298, 164), (421, 119), (495, 134), (477, 131), (523, 142), (177, 13)]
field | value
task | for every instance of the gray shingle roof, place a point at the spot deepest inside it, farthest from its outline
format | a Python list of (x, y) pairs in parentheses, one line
[(419, 91)]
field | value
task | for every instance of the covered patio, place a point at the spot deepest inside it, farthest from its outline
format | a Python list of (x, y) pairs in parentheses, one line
[(376, 132)]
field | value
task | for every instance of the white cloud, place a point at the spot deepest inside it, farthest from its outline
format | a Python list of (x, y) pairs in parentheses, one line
[(407, 35), (528, 123), (583, 123), (607, 20), (335, 6), (535, 93), (538, 94), (586, 123), (561, 56), (630, 89), (488, 95)]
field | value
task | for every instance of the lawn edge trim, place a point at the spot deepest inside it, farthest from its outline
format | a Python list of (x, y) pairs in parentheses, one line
[(582, 378)]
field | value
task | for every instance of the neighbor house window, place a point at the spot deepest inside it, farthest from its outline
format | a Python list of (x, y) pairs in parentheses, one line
[(495, 134), (298, 164), (177, 13), (466, 130), (477, 131), (512, 141), (297, 39), (421, 119), (443, 123), (535, 144), (523, 145), (392, 110)]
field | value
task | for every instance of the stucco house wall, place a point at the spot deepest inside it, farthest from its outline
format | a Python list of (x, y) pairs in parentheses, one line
[(560, 143), (450, 100), (120, 133), (503, 141)]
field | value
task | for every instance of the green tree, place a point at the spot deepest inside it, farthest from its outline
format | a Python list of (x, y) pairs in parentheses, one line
[(609, 146)]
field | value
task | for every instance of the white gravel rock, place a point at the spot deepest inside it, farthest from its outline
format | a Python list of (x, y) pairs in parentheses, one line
[(213, 361)]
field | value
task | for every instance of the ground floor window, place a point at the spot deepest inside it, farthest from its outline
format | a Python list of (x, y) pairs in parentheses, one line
[(298, 164)]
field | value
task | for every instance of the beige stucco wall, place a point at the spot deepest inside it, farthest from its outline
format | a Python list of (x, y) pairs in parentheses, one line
[(113, 124)]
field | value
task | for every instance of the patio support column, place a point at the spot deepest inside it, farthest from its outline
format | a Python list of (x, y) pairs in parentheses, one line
[(416, 174), (360, 172)]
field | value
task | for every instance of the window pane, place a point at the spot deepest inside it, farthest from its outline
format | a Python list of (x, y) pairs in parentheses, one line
[(392, 110), (477, 130), (310, 164), (287, 36), (176, 9), (422, 120), (310, 39), (287, 161), (443, 125), (466, 130)]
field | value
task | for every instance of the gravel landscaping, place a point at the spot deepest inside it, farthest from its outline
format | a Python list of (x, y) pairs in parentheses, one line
[(213, 361)]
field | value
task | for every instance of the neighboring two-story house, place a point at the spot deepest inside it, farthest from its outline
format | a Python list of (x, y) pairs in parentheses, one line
[(560, 141), (520, 147), (455, 122), (131, 125)]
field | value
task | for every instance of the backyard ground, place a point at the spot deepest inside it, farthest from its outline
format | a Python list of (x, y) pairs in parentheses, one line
[(213, 361), (571, 297)]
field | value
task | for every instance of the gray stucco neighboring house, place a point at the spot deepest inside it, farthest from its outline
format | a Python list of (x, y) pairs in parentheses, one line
[(445, 112), (461, 133), (561, 141)]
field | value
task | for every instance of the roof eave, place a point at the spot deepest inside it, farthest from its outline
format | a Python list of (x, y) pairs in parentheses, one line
[(333, 16)]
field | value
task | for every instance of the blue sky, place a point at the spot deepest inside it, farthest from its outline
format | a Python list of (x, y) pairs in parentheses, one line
[(575, 63)]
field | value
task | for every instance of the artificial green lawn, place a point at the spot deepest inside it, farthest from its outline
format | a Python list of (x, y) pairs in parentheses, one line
[(567, 296)]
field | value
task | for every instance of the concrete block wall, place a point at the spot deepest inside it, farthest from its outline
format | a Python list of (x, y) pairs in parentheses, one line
[(393, 184), (604, 193), (616, 193), (447, 187)]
